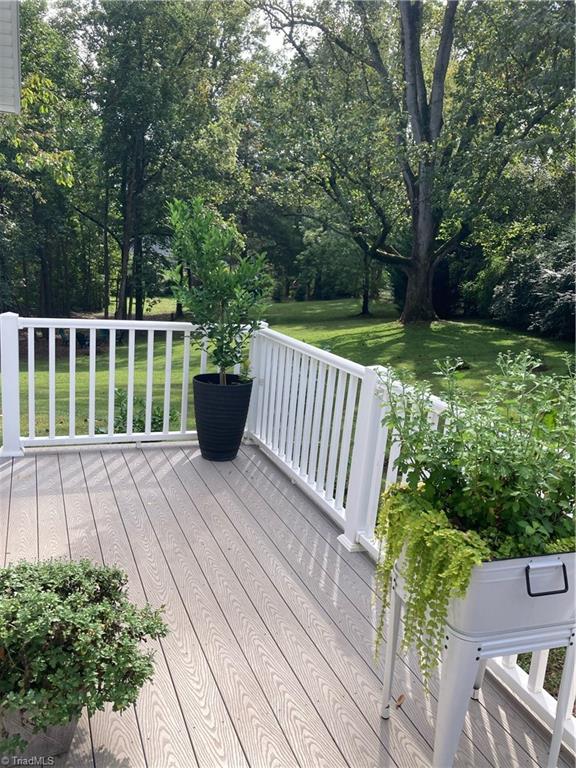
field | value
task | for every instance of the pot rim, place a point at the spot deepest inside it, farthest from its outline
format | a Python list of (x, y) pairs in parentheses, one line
[(238, 382)]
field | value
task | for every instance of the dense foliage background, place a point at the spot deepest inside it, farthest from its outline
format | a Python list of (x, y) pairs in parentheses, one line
[(298, 120)]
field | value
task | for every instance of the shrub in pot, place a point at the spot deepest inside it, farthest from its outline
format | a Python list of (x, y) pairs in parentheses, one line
[(225, 294), (483, 495), (69, 639)]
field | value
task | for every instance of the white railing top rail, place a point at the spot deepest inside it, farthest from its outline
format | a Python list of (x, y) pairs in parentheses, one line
[(437, 405), (139, 325), (316, 353)]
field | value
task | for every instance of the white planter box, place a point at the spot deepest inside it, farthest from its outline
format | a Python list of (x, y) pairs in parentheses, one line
[(498, 599)]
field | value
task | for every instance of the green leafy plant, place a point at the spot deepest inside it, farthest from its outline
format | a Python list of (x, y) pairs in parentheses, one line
[(69, 639), (490, 478), (227, 291), (138, 415)]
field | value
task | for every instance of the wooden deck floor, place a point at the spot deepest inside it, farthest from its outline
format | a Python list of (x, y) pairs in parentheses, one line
[(269, 660)]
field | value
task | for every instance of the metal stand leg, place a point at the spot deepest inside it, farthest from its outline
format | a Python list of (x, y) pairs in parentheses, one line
[(479, 678), (563, 704), (459, 671), (391, 647)]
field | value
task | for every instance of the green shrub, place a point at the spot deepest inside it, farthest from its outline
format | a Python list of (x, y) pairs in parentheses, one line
[(69, 639), (536, 291)]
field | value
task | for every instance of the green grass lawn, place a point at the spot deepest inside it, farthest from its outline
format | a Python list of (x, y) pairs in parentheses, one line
[(331, 325), (380, 339)]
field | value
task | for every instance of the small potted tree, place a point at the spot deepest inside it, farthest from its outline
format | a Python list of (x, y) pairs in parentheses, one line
[(485, 497), (69, 639), (225, 295)]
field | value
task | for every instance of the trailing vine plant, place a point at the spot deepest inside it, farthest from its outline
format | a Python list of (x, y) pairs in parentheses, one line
[(482, 479)]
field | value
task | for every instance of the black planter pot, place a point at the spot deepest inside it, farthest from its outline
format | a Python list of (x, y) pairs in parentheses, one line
[(221, 412)]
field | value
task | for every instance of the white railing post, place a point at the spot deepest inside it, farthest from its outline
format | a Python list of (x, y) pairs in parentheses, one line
[(362, 475), (10, 372), (256, 373)]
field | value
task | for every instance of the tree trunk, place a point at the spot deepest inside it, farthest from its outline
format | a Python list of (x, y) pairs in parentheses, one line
[(45, 292), (106, 253), (418, 304), (127, 231), (366, 286), (179, 307), (138, 277)]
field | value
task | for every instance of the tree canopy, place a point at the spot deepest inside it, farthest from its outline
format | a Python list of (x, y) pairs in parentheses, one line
[(419, 147)]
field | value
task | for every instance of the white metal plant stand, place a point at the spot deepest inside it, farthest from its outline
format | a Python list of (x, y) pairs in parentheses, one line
[(466, 654)]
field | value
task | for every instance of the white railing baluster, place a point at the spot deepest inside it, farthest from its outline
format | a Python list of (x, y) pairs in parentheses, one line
[(392, 469), (51, 382), (272, 397), (265, 356), (538, 664), (315, 432), (130, 388), (185, 382), (325, 429), (149, 381), (254, 374), (92, 384), (279, 399), (302, 388), (287, 377), (334, 449), (294, 378), (167, 382), (31, 384), (308, 416), (111, 379), (72, 382), (349, 414)]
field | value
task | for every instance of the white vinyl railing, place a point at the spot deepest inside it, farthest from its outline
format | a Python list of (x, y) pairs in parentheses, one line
[(318, 416), (115, 411)]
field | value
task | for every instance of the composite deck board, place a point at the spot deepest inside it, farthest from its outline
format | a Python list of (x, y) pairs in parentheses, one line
[(27, 509), (493, 723), (308, 597), (164, 734), (22, 536), (228, 692), (270, 583), (5, 493), (333, 578), (263, 467), (309, 737), (231, 629), (115, 736), (269, 661)]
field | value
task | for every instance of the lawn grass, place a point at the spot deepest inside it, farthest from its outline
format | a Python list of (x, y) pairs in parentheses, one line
[(121, 382), (332, 325), (382, 340)]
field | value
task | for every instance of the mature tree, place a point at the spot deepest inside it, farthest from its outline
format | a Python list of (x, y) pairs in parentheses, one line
[(460, 89), (159, 75), (39, 229)]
